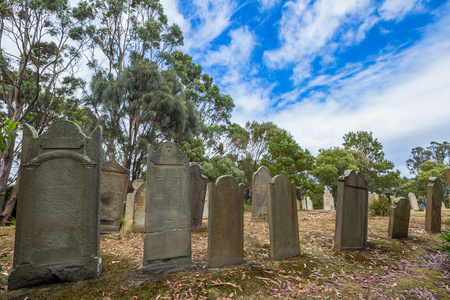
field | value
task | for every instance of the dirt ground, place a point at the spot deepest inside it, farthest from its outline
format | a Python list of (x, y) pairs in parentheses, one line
[(413, 268)]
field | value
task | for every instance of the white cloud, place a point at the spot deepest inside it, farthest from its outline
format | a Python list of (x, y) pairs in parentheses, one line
[(174, 16), (397, 9), (403, 99), (268, 4)]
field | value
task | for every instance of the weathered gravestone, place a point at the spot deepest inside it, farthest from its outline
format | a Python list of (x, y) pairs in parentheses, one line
[(399, 219), (113, 187), (129, 207), (304, 206), (206, 206), (225, 223), (433, 207), (139, 209), (328, 200), (447, 174), (260, 179), (58, 225), (198, 183), (167, 242), (413, 201), (351, 212), (309, 203), (283, 220)]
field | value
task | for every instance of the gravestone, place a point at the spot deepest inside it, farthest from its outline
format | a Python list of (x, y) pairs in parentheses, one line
[(328, 200), (304, 206), (206, 206), (433, 206), (299, 205), (447, 174), (139, 209), (351, 212), (399, 219), (58, 225), (283, 220), (197, 190), (225, 223), (167, 242), (113, 187), (129, 207), (260, 179), (309, 203), (413, 201)]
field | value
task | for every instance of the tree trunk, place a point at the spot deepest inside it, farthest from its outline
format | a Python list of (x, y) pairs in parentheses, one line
[(10, 204), (5, 171)]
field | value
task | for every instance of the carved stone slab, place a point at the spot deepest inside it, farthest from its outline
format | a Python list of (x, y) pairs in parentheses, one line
[(139, 209), (129, 207), (260, 179), (434, 206), (399, 219), (58, 225), (198, 183), (114, 185), (225, 223), (413, 201), (351, 212), (167, 242), (328, 201), (283, 220)]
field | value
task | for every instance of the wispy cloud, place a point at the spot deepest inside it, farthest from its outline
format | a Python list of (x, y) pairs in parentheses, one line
[(268, 4)]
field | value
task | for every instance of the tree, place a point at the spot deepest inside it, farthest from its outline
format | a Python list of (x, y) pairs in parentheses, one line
[(426, 170), (286, 157), (141, 106), (40, 42), (369, 155), (332, 163), (220, 166), (437, 152)]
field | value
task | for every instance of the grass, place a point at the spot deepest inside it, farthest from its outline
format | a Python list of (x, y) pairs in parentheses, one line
[(413, 268)]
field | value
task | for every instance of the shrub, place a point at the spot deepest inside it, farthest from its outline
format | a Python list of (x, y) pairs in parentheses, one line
[(248, 205), (380, 206), (446, 246)]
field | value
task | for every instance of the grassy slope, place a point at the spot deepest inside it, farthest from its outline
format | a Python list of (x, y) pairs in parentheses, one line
[(404, 269)]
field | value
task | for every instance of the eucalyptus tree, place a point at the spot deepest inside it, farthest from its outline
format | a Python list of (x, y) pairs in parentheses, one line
[(40, 42)]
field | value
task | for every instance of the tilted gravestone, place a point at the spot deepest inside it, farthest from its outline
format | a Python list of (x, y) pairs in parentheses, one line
[(260, 179), (413, 201), (433, 207), (113, 187), (351, 212), (139, 209), (225, 223), (328, 200), (129, 207), (283, 220), (399, 219), (167, 242), (58, 225), (198, 183), (206, 206)]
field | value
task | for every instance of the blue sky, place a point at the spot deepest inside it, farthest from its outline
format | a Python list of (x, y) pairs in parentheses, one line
[(320, 69)]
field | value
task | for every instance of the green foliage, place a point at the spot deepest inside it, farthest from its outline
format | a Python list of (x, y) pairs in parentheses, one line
[(286, 157), (194, 149), (219, 166), (380, 206), (6, 134), (377, 170), (446, 245), (332, 163), (426, 170), (436, 152), (248, 205)]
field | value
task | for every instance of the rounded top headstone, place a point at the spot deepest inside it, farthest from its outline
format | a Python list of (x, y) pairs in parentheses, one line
[(137, 184)]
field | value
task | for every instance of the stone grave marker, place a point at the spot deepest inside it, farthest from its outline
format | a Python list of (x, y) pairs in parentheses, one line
[(58, 225), (225, 223), (304, 206), (433, 206), (129, 207), (413, 201), (206, 206), (283, 220), (399, 218), (351, 212), (198, 183), (167, 242), (328, 200), (260, 179), (309, 203), (447, 173), (113, 189), (139, 209)]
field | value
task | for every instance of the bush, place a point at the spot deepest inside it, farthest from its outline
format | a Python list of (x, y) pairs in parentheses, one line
[(380, 206), (446, 246), (248, 205)]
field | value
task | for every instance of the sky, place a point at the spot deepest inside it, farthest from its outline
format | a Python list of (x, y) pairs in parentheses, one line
[(323, 68)]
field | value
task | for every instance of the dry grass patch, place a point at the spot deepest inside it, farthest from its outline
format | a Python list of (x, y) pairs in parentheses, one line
[(413, 268)]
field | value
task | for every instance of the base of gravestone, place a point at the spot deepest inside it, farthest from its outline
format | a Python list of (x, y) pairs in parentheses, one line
[(167, 266), (30, 275)]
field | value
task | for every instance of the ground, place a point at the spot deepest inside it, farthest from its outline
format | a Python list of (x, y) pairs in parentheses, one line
[(413, 268)]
